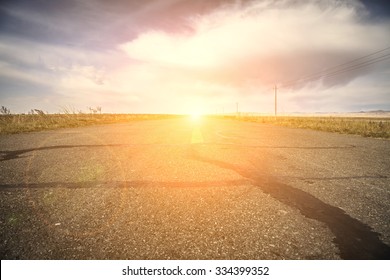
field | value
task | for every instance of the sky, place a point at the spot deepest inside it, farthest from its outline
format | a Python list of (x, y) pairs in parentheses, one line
[(200, 56)]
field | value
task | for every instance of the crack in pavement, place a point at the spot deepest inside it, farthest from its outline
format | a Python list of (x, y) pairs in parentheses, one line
[(354, 239), (16, 154), (125, 184), (8, 155)]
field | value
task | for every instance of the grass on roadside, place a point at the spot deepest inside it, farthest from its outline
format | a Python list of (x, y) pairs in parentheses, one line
[(364, 126), (10, 124), (368, 127)]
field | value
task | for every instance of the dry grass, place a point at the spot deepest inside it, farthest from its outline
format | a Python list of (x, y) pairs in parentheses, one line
[(10, 124), (368, 127)]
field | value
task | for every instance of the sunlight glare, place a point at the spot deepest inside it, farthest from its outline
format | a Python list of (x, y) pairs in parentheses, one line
[(196, 116)]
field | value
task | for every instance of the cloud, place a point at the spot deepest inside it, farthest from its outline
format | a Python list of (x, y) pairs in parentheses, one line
[(56, 76), (174, 55), (265, 42)]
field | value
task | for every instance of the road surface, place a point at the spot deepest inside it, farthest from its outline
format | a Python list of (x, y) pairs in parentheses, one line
[(183, 189)]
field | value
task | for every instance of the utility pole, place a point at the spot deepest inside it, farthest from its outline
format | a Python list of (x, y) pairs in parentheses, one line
[(276, 100), (237, 109)]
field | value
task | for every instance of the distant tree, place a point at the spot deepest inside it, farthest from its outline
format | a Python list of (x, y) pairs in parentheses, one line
[(39, 112), (5, 111), (95, 110)]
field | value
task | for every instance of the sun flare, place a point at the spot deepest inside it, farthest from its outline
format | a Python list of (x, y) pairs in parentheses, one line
[(196, 116)]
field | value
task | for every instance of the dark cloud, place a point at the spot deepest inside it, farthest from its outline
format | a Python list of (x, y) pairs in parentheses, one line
[(96, 23), (378, 9), (103, 24), (75, 43)]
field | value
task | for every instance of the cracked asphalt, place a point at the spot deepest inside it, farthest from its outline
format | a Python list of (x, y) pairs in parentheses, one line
[(181, 189)]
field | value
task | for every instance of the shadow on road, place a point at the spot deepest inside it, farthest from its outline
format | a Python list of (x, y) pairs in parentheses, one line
[(16, 154), (354, 239), (8, 155), (123, 184)]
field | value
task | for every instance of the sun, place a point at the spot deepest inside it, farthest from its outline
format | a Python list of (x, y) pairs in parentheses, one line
[(196, 116), (195, 110)]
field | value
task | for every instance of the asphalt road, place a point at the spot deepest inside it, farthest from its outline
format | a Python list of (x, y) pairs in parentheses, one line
[(177, 189)]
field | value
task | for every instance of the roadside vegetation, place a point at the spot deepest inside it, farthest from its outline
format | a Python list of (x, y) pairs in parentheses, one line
[(364, 126), (37, 120)]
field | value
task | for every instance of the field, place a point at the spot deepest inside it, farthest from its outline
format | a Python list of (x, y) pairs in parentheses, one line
[(10, 124), (377, 127)]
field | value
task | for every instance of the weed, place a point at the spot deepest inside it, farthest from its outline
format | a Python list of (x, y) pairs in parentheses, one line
[(10, 124), (368, 127)]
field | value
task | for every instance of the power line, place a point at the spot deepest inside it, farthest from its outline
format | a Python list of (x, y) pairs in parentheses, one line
[(360, 65), (336, 70), (360, 58), (321, 73), (276, 100), (332, 71)]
